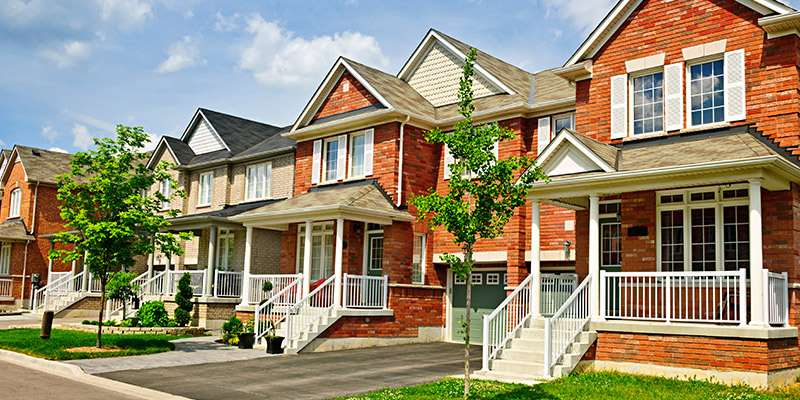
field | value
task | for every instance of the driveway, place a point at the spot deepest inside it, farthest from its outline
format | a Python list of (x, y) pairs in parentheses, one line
[(308, 376), (28, 383)]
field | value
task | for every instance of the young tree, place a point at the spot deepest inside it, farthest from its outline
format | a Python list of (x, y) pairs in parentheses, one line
[(183, 314), (104, 203), (483, 191), (119, 288)]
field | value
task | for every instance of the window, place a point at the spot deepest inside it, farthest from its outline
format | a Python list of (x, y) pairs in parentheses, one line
[(375, 252), (611, 244), (563, 121), (493, 279), (258, 181), (5, 259), (166, 190), (16, 199), (205, 187), (357, 147), (330, 162), (418, 260), (321, 250), (225, 250), (701, 230), (706, 93), (459, 280), (476, 278), (648, 103)]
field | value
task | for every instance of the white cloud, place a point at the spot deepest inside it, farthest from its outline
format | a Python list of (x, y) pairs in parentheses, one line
[(2, 143), (82, 139), (68, 54), (58, 150), (125, 13), (188, 14), (152, 142), (182, 55), (583, 14), (278, 58), (226, 24), (91, 121), (49, 133)]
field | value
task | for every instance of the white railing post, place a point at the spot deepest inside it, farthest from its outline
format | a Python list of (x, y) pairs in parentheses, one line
[(386, 293), (603, 294), (742, 297), (766, 295), (345, 291), (668, 299), (548, 333), (785, 293), (216, 283), (248, 252), (205, 280), (485, 355), (108, 310)]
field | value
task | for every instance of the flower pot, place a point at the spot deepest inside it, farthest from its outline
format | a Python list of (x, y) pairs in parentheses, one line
[(246, 340), (274, 344)]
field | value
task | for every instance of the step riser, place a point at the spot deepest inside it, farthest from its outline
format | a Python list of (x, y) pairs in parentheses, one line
[(521, 355), (517, 367)]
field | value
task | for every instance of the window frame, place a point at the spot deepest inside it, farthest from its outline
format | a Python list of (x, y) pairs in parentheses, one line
[(203, 191), (225, 235), (327, 230), (166, 190), (324, 168), (423, 250), (639, 74), (553, 132), (688, 85), (351, 153), (374, 235), (266, 186), (493, 276), (5, 259), (15, 203)]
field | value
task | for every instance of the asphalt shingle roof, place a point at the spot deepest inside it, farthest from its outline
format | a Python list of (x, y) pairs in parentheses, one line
[(183, 152), (14, 230), (45, 166)]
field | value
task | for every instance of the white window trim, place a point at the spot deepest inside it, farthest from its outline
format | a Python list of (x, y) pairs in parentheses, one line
[(423, 251), (476, 278), (688, 86), (15, 203), (351, 153), (458, 281), (201, 192), (366, 257), (639, 74), (267, 186), (617, 201), (165, 187), (223, 236), (686, 206), (324, 179), (553, 119), (301, 237), (601, 244), (495, 275), (5, 262)]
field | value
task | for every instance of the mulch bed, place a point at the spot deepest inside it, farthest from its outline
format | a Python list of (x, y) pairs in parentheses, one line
[(93, 349)]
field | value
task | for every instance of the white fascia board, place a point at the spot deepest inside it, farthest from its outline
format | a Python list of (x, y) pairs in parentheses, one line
[(197, 115), (157, 154), (320, 213), (11, 160), (478, 67), (412, 61), (191, 125), (367, 84), (566, 136)]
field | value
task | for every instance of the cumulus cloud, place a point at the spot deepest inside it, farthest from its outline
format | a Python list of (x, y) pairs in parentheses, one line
[(278, 58), (58, 150), (2, 143), (152, 142), (181, 55), (49, 133), (226, 24), (584, 15), (81, 137), (91, 121), (68, 54), (125, 13)]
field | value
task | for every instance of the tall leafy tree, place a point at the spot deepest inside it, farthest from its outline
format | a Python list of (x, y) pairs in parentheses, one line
[(482, 194), (105, 205)]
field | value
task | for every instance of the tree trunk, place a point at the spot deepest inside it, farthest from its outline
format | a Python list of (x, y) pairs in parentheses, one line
[(468, 265), (102, 308)]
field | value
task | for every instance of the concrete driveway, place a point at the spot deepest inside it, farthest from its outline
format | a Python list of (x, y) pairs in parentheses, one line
[(308, 376)]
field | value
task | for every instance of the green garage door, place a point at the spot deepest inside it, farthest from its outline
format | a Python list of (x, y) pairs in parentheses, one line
[(487, 294)]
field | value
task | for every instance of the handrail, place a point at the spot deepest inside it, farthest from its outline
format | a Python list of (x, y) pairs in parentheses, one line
[(566, 324), (498, 331), (260, 330), (309, 310), (117, 305), (147, 285), (43, 297)]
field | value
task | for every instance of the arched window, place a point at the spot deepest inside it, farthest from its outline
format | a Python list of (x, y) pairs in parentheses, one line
[(16, 199)]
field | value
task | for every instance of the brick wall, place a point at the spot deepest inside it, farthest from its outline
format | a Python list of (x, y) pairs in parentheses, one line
[(340, 101), (281, 182)]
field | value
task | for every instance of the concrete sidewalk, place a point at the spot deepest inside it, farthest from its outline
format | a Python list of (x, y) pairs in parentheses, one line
[(191, 351), (31, 321)]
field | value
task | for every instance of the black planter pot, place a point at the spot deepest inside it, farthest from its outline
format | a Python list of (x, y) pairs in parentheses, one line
[(246, 340), (274, 344)]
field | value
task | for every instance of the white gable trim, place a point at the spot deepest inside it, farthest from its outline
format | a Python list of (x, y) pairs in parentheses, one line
[(419, 54), (157, 153), (623, 9), (9, 165), (192, 125), (325, 88), (567, 138)]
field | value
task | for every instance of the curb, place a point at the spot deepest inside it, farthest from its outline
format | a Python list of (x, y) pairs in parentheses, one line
[(76, 373)]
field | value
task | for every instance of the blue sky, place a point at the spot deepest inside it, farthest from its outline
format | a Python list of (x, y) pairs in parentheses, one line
[(72, 70)]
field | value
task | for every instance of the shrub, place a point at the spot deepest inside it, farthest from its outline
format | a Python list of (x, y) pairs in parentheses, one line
[(234, 326), (111, 322), (184, 300), (129, 323), (153, 313), (172, 323), (86, 322)]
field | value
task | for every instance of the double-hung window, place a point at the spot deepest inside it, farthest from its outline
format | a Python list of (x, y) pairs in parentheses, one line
[(258, 181), (357, 147), (5, 258), (166, 190), (225, 250), (706, 93), (418, 260), (564, 121), (14, 204), (648, 103), (331, 160), (205, 186)]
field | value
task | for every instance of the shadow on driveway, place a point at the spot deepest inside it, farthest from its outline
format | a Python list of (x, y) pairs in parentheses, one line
[(308, 376)]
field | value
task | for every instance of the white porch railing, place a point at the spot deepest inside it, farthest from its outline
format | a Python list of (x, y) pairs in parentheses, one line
[(556, 289), (5, 287), (155, 286), (361, 291), (256, 282), (503, 322), (714, 296), (56, 291), (227, 284), (270, 311), (776, 302), (566, 324), (117, 305), (309, 310), (95, 286), (198, 282)]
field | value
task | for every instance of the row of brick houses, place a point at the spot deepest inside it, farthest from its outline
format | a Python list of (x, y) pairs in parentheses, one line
[(666, 241)]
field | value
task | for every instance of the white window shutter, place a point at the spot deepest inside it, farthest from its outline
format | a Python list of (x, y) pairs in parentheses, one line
[(316, 162), (448, 161), (735, 107), (673, 97), (341, 160), (619, 106), (268, 179), (369, 139), (544, 134)]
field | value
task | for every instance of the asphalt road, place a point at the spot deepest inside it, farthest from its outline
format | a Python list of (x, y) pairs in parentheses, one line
[(308, 376), (25, 383)]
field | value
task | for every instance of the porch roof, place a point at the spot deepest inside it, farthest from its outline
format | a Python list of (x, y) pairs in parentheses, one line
[(218, 218), (14, 231), (729, 154), (360, 201)]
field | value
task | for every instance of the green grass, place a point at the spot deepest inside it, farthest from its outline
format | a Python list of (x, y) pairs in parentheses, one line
[(27, 341), (592, 385)]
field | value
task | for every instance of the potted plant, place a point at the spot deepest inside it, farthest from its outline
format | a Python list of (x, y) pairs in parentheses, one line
[(248, 337), (274, 341)]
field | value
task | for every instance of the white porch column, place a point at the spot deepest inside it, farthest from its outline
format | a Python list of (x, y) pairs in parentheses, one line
[(594, 253), (756, 257), (307, 260), (50, 262), (85, 278), (74, 262), (536, 281), (337, 263), (248, 251), (212, 241), (150, 261)]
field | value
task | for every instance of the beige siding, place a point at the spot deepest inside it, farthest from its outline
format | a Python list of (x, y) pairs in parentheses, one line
[(204, 140)]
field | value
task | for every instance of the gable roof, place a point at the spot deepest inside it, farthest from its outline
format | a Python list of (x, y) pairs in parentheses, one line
[(570, 153), (39, 165), (623, 9)]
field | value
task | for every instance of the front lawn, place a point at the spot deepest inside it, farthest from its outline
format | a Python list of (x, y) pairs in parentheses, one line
[(588, 386), (27, 341)]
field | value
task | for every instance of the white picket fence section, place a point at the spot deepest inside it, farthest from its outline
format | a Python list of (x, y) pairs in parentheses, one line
[(198, 282), (5, 287), (503, 322), (309, 310), (556, 289), (566, 324), (776, 302), (271, 311), (361, 291), (256, 283), (714, 296), (227, 283)]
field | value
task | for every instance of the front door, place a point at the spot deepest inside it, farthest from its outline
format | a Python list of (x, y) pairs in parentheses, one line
[(374, 253), (488, 292), (611, 260)]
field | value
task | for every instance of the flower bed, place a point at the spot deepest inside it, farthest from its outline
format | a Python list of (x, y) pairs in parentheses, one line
[(176, 330)]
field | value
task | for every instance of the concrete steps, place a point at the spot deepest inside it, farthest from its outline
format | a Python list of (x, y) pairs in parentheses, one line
[(307, 336)]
